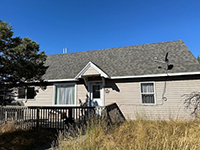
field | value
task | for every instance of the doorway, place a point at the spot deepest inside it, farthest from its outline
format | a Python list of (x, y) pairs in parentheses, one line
[(96, 94)]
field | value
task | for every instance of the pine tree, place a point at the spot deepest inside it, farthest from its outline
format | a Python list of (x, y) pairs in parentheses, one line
[(20, 60)]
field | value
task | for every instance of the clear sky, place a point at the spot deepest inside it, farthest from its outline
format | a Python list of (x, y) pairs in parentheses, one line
[(82, 25)]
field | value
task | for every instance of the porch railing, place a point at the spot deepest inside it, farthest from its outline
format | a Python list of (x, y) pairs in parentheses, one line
[(47, 117), (57, 117)]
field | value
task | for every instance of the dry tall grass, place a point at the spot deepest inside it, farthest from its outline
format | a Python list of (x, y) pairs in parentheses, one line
[(9, 127), (139, 134), (15, 138)]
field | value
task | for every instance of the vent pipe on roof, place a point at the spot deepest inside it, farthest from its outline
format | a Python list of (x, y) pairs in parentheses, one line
[(65, 50)]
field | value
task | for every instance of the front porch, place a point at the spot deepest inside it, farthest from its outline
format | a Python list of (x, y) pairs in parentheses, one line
[(58, 117), (94, 81)]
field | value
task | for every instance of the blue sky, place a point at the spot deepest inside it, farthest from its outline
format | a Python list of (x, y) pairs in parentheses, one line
[(82, 25)]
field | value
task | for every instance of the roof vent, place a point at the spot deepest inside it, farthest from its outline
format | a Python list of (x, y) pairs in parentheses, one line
[(65, 50)]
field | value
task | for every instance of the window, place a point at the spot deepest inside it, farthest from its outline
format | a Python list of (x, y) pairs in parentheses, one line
[(96, 91), (147, 93), (30, 93), (21, 93), (64, 94), (26, 93)]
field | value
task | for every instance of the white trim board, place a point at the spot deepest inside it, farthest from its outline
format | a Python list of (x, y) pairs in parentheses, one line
[(90, 64), (156, 75), (60, 80)]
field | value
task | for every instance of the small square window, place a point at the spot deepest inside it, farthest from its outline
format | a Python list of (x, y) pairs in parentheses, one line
[(21, 93), (30, 93), (26, 93), (96, 91)]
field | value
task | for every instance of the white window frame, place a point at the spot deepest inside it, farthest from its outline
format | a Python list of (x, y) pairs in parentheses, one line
[(25, 93), (154, 93), (63, 84)]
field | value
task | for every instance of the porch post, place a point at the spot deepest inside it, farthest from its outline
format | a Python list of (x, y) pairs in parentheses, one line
[(103, 81), (70, 114), (38, 112)]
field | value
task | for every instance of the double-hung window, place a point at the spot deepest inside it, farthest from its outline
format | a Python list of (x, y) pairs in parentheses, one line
[(64, 94), (26, 93), (148, 93)]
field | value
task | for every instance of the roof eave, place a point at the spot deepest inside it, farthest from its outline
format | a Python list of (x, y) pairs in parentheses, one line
[(129, 77), (156, 75), (61, 80)]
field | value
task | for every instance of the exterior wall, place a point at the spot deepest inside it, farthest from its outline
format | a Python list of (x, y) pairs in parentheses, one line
[(81, 94), (127, 96), (90, 71), (43, 97)]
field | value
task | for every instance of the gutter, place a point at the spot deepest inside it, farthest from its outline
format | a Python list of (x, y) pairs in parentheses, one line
[(156, 75), (129, 77)]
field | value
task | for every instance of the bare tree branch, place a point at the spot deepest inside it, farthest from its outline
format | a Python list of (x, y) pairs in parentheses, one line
[(192, 101)]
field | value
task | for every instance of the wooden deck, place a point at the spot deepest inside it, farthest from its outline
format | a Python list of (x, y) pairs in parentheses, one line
[(56, 117)]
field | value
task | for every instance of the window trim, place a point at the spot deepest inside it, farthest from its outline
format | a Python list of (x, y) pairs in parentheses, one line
[(26, 88), (154, 93), (54, 93)]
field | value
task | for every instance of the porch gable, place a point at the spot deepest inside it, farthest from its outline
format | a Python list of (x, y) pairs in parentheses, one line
[(91, 70)]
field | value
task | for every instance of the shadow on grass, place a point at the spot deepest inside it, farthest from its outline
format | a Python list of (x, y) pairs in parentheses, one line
[(26, 139)]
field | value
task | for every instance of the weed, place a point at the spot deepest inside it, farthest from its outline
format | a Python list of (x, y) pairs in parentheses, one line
[(14, 138), (138, 134)]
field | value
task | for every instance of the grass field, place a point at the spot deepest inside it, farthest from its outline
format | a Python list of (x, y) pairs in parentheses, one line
[(14, 138), (139, 134)]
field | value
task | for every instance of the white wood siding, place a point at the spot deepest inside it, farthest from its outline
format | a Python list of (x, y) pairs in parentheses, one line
[(81, 93), (90, 71), (128, 99), (43, 97)]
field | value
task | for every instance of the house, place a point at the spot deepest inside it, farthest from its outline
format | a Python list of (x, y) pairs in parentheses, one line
[(148, 79)]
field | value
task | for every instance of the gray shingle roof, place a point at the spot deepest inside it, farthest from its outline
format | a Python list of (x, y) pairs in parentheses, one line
[(124, 61)]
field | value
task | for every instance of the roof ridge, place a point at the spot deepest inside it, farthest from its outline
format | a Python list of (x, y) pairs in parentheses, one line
[(118, 47)]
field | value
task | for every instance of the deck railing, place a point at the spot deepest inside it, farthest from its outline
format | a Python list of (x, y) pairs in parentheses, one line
[(57, 117), (47, 117)]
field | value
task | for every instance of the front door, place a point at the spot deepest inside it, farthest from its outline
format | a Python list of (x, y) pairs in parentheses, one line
[(96, 94)]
